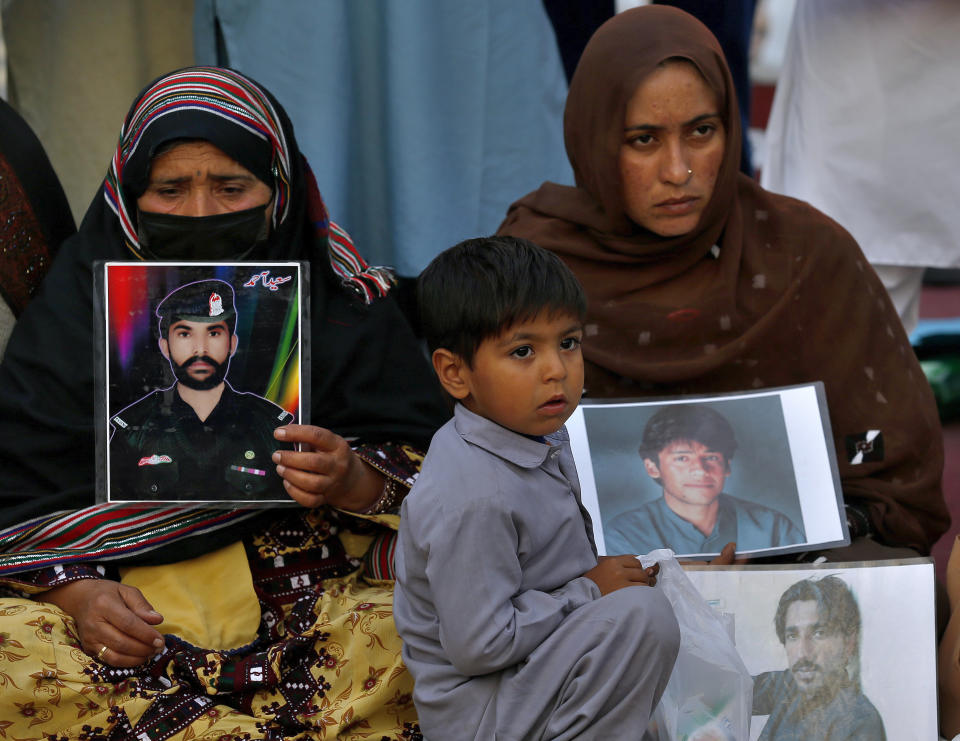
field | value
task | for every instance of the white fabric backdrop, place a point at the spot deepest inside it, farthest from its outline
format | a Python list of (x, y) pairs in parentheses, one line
[(864, 124)]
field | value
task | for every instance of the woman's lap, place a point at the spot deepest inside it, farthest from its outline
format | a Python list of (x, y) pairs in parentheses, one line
[(336, 674)]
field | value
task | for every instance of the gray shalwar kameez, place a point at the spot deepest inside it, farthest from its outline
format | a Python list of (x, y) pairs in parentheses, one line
[(504, 636)]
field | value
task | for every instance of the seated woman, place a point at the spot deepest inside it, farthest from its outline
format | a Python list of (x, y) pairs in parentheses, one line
[(699, 281), (183, 622)]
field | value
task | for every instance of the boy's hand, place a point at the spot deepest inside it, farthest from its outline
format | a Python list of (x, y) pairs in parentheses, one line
[(616, 572)]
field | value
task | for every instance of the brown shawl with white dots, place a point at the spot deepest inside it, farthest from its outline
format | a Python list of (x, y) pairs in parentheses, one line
[(766, 291)]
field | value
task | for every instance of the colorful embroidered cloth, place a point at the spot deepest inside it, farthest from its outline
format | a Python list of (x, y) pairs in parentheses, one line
[(104, 532), (326, 662)]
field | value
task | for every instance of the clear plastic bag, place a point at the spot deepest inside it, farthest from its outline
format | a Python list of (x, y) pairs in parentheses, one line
[(710, 693)]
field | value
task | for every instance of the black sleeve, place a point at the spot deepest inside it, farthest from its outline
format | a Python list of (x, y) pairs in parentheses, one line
[(46, 396), (370, 375)]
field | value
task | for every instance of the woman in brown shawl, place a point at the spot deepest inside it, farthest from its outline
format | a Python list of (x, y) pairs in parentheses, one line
[(699, 281)]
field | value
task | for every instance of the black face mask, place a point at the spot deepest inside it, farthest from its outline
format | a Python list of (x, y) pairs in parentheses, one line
[(229, 236)]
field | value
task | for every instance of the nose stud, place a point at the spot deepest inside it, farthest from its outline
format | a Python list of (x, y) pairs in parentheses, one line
[(689, 172)]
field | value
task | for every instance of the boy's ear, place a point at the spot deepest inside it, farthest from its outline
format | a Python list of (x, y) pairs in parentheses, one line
[(450, 370)]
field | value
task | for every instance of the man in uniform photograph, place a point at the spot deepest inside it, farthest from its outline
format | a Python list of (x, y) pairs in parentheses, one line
[(199, 439), (819, 695)]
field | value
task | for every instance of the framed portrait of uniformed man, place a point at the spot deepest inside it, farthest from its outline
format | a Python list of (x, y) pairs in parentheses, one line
[(197, 365), (694, 473), (836, 650)]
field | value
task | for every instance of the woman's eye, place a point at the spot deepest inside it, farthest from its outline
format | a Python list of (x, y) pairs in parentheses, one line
[(642, 140), (570, 343), (704, 130), (522, 352)]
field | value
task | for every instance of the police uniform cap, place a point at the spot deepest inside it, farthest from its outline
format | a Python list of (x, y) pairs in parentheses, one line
[(203, 301)]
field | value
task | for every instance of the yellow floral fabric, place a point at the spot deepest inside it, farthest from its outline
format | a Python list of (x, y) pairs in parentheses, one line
[(325, 664)]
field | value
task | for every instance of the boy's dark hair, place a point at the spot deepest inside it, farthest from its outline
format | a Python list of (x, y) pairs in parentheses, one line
[(690, 422), (480, 287)]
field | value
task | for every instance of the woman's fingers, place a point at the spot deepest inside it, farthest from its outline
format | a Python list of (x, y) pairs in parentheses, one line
[(726, 555), (110, 614), (326, 464), (323, 464), (306, 497), (121, 649), (309, 437), (138, 604)]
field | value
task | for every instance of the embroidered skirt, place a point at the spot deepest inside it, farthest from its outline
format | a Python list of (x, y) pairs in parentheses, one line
[(325, 663)]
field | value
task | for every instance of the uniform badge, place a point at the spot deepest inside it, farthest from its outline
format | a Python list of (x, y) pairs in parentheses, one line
[(215, 304), (153, 460), (249, 455)]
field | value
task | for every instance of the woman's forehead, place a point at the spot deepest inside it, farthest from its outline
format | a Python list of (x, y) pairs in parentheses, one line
[(674, 87), (196, 154)]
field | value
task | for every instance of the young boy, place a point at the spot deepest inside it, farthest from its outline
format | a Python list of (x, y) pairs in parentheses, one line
[(512, 629)]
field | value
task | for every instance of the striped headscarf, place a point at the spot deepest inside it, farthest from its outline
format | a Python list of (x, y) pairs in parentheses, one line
[(240, 118), (165, 106)]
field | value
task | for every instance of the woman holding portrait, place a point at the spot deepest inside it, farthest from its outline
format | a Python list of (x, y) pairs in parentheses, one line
[(699, 281), (184, 622)]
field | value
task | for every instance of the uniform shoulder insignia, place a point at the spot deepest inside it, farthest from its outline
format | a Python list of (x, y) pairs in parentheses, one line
[(136, 413), (266, 408)]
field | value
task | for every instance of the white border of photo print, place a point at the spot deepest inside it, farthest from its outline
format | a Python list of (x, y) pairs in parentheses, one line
[(783, 471)]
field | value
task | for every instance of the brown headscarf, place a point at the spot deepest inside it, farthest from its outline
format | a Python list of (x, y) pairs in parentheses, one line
[(765, 291)]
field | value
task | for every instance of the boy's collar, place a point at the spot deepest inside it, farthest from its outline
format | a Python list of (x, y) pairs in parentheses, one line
[(514, 447)]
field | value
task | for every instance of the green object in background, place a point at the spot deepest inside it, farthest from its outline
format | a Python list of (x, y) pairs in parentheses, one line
[(943, 373)]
